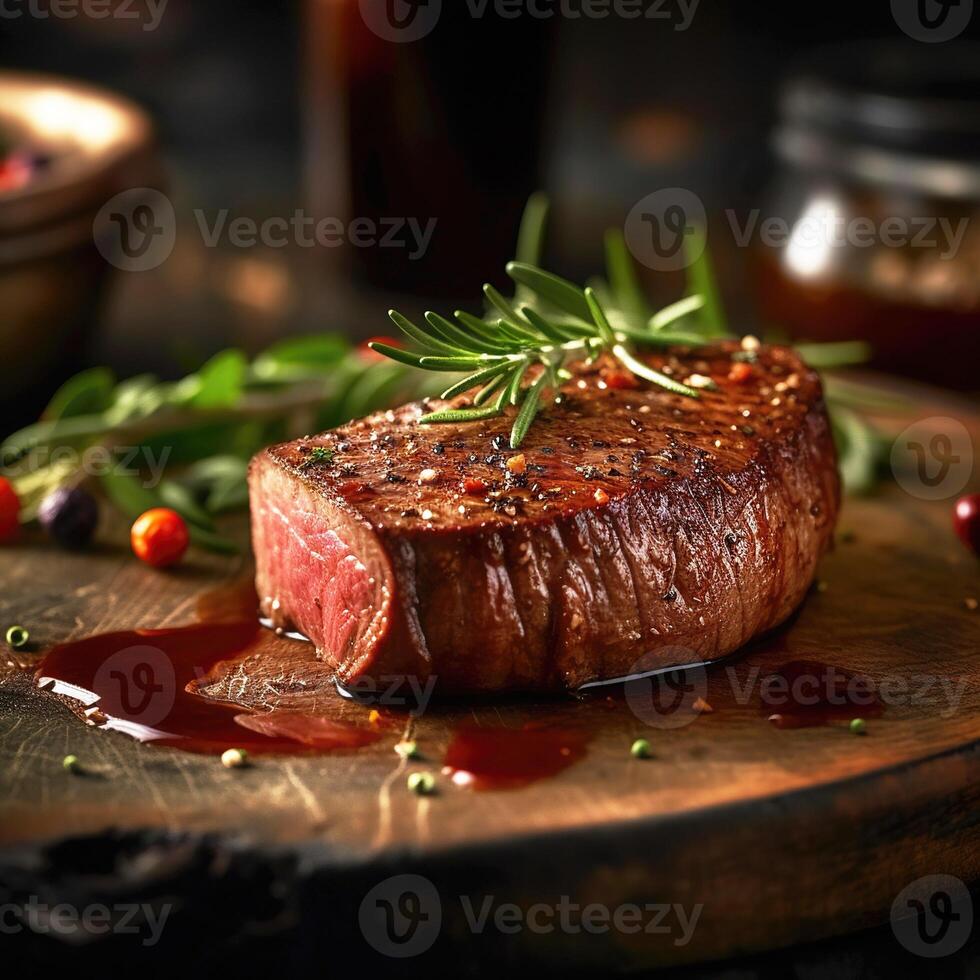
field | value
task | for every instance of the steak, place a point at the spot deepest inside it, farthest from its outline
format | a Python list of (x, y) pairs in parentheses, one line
[(632, 522)]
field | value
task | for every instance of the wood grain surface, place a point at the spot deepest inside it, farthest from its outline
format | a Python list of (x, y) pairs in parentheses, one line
[(783, 836)]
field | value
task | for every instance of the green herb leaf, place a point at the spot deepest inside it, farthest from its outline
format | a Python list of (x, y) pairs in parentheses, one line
[(477, 378), (832, 355), (676, 311), (300, 357), (220, 380), (642, 370), (530, 235), (856, 451), (627, 293), (87, 393), (564, 294), (599, 317), (701, 282), (464, 414), (529, 408)]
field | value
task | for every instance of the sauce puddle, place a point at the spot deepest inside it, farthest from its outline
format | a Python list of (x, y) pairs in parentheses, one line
[(496, 758), (809, 693), (140, 682)]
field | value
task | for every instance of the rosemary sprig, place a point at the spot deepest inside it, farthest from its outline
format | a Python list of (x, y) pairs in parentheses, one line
[(552, 321), (532, 342)]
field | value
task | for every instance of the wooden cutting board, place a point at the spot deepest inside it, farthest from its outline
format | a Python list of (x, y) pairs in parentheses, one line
[(782, 836)]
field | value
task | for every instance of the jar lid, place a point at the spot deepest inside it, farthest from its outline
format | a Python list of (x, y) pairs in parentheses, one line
[(887, 109)]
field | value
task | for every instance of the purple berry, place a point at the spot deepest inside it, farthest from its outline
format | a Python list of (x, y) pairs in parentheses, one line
[(70, 516)]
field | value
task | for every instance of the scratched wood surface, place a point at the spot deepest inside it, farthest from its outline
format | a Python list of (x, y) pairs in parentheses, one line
[(784, 835)]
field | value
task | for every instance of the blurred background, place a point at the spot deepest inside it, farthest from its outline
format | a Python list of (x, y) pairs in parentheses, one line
[(321, 160)]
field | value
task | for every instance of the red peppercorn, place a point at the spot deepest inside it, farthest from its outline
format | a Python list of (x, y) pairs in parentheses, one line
[(9, 510), (620, 381), (966, 521), (474, 487), (159, 537), (740, 372)]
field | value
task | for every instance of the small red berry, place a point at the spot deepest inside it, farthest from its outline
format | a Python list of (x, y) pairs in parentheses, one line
[(159, 537), (966, 521), (9, 509)]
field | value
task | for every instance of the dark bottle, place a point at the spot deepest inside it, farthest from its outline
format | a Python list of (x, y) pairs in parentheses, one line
[(445, 127)]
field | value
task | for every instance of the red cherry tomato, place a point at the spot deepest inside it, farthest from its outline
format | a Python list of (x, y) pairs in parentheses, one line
[(159, 537), (9, 509), (966, 521)]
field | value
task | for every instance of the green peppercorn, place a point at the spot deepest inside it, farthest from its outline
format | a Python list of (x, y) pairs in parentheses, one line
[(421, 783), (407, 750), (70, 763), (641, 749), (858, 726), (234, 758), (17, 637)]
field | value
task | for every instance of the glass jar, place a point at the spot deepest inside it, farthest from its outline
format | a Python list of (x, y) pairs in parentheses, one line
[(877, 208)]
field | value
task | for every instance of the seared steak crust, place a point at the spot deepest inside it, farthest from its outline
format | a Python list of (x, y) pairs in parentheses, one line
[(640, 522)]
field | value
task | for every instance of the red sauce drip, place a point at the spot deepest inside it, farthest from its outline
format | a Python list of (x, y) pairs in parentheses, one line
[(808, 693), (493, 757), (136, 682)]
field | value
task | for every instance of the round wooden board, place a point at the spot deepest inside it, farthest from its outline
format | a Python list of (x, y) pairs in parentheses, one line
[(779, 836)]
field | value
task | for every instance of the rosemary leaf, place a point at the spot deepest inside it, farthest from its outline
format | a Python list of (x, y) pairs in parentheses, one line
[(530, 235), (460, 338), (547, 329), (487, 390), (562, 293), (675, 311), (424, 338), (529, 408), (497, 300), (642, 371), (521, 336), (512, 392), (472, 380), (701, 282), (396, 353), (489, 331), (599, 316), (464, 414), (460, 363), (623, 280)]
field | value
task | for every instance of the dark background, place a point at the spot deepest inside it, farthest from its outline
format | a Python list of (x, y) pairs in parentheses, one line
[(595, 111)]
